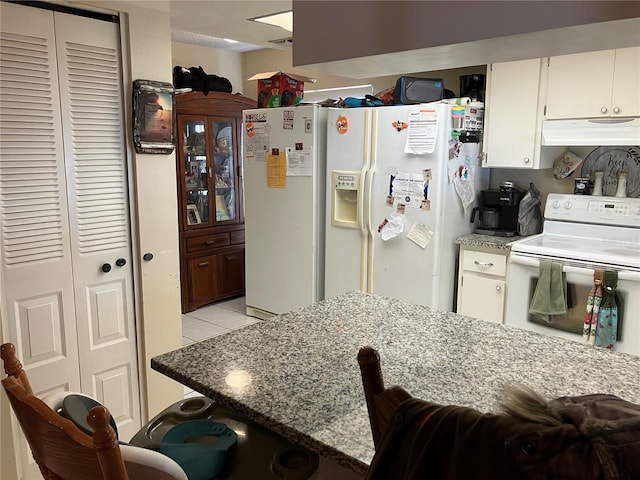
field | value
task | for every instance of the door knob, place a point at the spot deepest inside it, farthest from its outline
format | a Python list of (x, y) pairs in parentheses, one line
[(147, 257), (121, 262), (106, 268)]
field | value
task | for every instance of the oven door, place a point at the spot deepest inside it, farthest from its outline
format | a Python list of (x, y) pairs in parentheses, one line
[(522, 278)]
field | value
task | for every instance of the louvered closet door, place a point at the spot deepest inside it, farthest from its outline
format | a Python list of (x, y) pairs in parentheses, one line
[(91, 99), (64, 210), (38, 303), (38, 312)]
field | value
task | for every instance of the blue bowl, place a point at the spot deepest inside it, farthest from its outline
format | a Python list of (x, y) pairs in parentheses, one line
[(199, 446)]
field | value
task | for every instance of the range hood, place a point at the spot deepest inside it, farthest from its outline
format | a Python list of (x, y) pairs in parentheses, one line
[(591, 132)]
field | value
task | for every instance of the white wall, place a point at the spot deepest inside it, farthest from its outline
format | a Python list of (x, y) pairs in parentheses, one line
[(154, 184)]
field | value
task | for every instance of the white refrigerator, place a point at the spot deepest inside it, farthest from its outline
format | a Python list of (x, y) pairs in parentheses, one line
[(393, 207), (284, 189)]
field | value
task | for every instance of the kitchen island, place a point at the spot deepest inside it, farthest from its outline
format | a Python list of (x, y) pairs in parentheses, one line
[(297, 373)]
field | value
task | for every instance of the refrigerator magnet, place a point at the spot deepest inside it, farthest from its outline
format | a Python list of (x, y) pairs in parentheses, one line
[(399, 126), (463, 173), (342, 124)]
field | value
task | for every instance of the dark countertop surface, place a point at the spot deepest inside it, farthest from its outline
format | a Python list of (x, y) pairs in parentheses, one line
[(297, 373)]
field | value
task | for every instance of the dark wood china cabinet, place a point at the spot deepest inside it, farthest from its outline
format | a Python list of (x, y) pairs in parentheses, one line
[(210, 198)]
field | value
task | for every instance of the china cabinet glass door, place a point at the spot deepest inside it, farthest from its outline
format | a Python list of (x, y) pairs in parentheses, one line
[(196, 171), (224, 169)]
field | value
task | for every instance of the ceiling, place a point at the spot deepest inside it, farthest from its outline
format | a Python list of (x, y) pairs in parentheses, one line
[(208, 22)]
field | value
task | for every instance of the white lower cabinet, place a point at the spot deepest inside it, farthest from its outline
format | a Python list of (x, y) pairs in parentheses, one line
[(482, 282)]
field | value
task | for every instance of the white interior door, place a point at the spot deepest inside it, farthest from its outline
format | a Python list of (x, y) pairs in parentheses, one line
[(62, 218), (37, 277), (91, 99)]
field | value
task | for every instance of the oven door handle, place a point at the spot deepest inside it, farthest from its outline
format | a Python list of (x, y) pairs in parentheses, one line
[(586, 270)]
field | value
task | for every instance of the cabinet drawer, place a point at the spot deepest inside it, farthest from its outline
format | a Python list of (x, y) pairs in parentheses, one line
[(207, 241), (237, 237), (483, 262)]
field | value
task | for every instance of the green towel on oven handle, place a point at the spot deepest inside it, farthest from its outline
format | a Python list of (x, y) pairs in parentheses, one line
[(550, 295)]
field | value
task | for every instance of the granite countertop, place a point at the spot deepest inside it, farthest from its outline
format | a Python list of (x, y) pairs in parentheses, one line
[(297, 373), (490, 241)]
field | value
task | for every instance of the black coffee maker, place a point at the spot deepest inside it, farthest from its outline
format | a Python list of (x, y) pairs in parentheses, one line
[(498, 210)]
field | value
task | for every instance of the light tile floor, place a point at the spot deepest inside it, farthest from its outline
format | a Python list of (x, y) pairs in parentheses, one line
[(213, 320)]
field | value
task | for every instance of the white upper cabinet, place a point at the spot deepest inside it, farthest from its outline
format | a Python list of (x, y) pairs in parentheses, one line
[(513, 115), (594, 84)]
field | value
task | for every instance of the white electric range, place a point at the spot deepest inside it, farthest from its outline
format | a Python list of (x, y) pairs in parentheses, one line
[(583, 233)]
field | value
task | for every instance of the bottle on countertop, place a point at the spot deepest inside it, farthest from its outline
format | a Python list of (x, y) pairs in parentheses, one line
[(597, 183), (622, 184)]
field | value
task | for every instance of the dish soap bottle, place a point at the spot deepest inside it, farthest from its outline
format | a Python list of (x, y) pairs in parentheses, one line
[(597, 183), (622, 184)]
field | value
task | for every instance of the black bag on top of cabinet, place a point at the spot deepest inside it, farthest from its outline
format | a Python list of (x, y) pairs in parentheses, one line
[(198, 80)]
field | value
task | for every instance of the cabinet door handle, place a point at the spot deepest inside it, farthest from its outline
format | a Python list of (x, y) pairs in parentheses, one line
[(232, 257), (603, 110), (526, 160), (210, 242), (203, 264), (616, 110), (483, 264), (498, 288)]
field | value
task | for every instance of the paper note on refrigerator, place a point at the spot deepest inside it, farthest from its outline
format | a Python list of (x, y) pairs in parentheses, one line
[(392, 226), (299, 162), (409, 188), (463, 183), (256, 142), (422, 132), (276, 170), (420, 234)]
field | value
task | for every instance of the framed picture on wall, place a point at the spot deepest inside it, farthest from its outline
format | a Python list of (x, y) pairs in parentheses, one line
[(153, 117)]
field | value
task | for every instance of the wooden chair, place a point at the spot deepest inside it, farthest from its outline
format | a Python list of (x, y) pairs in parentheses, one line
[(63, 452), (381, 402)]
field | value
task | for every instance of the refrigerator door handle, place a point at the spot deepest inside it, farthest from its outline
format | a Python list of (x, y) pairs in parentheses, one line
[(361, 202), (373, 132)]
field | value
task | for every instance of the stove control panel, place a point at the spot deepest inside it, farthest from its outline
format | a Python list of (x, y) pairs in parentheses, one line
[(597, 210)]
